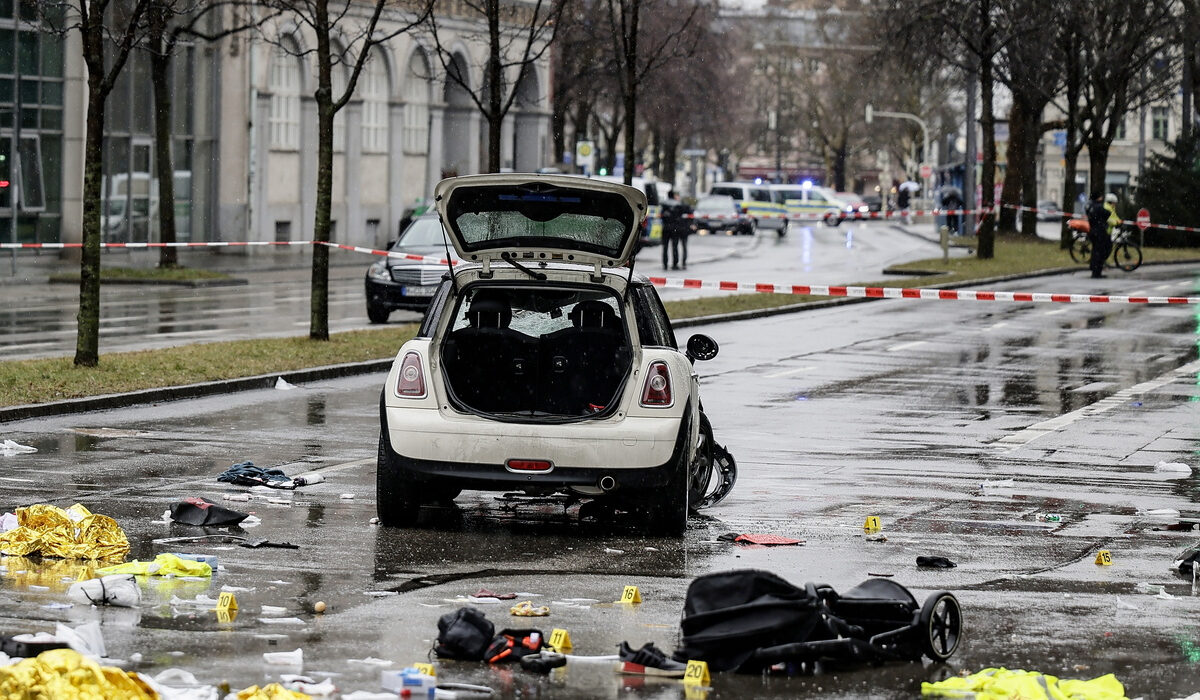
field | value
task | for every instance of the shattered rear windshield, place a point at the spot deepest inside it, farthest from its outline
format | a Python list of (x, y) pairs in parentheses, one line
[(539, 216)]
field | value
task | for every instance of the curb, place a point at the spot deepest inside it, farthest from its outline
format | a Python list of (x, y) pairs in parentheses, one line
[(266, 381), (233, 282)]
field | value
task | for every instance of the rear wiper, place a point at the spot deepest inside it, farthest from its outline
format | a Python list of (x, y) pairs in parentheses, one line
[(508, 258)]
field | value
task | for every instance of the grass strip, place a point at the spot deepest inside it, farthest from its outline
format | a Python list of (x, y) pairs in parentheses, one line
[(148, 274), (41, 381)]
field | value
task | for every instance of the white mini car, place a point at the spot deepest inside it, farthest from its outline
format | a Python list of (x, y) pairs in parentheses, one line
[(544, 365)]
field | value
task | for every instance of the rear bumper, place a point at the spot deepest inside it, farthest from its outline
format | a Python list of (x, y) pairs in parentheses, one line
[(428, 448)]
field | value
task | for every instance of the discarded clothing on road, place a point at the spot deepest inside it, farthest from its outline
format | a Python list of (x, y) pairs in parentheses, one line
[(74, 533), (758, 539), (246, 474), (65, 673), (197, 511), (935, 563), (1015, 684), (464, 634), (8, 448), (163, 565)]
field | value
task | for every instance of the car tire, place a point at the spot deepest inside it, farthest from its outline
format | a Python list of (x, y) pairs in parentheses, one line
[(668, 510), (377, 314), (396, 501), (784, 231)]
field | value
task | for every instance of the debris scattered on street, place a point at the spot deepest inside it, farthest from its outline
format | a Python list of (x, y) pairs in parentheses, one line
[(283, 385), (199, 512), (1173, 467), (759, 539), (74, 533), (485, 593), (1049, 518), (258, 544), (9, 448), (284, 658), (527, 609), (876, 537), (246, 474), (935, 563), (370, 661), (63, 672), (163, 565), (273, 691), (1014, 683), (610, 550)]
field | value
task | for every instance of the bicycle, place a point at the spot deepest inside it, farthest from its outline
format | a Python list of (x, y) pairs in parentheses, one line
[(1126, 253)]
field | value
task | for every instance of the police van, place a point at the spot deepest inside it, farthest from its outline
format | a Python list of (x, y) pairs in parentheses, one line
[(804, 202), (756, 200)]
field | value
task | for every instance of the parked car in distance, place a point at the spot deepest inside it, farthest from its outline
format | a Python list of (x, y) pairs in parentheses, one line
[(545, 365), (719, 213), (397, 282), (854, 203), (1048, 210), (873, 201)]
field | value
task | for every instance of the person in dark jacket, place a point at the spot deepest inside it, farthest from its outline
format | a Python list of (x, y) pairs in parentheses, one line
[(677, 225), (1097, 216)]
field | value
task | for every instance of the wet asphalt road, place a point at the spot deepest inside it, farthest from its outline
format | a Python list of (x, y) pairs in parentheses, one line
[(918, 413), (38, 319)]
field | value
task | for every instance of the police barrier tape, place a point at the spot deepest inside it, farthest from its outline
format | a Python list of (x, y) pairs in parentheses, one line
[(912, 293), (1166, 227), (725, 286)]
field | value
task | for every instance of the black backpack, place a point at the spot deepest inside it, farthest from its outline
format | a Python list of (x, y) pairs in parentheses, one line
[(464, 634)]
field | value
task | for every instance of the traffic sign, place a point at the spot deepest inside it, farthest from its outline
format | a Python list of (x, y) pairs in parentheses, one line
[(926, 171), (1143, 219), (585, 154)]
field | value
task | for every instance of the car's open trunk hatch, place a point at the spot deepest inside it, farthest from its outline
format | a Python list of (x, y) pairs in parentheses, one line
[(529, 353)]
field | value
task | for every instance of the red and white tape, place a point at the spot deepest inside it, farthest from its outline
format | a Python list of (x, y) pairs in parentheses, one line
[(912, 293), (1165, 227)]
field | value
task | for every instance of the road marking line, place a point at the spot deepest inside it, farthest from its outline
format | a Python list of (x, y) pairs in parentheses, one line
[(1057, 311), (905, 346), (788, 372), (1059, 423)]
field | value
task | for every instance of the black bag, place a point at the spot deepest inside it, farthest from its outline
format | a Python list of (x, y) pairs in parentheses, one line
[(463, 634), (511, 645), (729, 615)]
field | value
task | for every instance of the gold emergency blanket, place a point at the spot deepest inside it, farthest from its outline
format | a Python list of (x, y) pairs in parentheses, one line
[(74, 533), (271, 692), (1005, 684), (65, 674)]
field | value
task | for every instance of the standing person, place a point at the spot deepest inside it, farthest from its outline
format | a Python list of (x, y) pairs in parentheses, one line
[(677, 224), (952, 201), (1097, 216)]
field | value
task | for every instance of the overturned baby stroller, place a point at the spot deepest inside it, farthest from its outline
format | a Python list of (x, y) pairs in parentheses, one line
[(750, 620)]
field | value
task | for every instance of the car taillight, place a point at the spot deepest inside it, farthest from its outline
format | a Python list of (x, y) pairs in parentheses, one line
[(656, 392), (412, 377)]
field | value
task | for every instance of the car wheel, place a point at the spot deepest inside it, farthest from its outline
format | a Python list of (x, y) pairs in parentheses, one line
[(784, 231), (1081, 250), (832, 219), (396, 499), (377, 314)]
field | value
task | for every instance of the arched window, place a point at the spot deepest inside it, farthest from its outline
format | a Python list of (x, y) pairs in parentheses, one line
[(416, 105), (374, 85), (284, 85)]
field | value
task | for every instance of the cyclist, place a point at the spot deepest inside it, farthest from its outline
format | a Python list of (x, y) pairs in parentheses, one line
[(1098, 216)]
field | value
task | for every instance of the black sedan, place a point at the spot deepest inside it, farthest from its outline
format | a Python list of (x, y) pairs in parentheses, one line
[(721, 214), (401, 282)]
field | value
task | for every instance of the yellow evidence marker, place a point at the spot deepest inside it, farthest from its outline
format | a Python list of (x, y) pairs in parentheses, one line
[(630, 595), (560, 641), (226, 602), (696, 673), (872, 524), (1104, 558), (426, 669)]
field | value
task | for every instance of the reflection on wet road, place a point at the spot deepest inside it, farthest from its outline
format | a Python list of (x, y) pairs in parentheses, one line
[(901, 410)]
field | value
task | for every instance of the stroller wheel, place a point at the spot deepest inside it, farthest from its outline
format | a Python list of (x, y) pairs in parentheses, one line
[(941, 625)]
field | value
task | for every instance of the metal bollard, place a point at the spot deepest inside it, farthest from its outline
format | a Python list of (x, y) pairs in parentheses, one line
[(944, 231)]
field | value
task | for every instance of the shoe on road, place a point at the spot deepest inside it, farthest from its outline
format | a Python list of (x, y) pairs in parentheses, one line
[(648, 661)]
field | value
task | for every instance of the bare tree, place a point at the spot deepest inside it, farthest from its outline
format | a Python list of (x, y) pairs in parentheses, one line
[(109, 29), (968, 34), (356, 24), (635, 62), (167, 22), (581, 60), (517, 35)]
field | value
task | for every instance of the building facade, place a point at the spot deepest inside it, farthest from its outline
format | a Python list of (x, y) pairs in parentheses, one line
[(244, 133)]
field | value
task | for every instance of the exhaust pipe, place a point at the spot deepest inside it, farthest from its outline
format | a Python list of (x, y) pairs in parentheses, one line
[(607, 483)]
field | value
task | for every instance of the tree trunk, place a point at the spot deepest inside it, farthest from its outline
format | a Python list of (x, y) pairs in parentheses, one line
[(160, 72), (631, 90), (670, 151), (87, 342), (1014, 176), (319, 305), (1098, 162), (840, 155), (987, 179), (495, 114), (1029, 198)]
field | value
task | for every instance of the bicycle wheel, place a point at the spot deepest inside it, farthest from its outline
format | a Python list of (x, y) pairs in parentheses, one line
[(1127, 256), (1081, 250)]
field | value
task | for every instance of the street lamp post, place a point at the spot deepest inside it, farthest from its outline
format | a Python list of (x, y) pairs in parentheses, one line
[(872, 112)]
